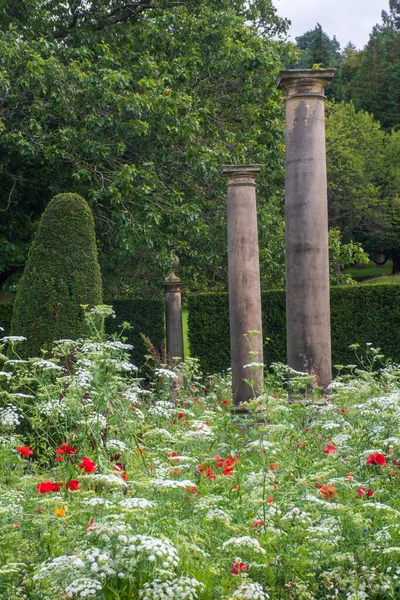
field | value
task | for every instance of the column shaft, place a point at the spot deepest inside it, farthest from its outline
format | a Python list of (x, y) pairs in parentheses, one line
[(306, 217), (244, 281)]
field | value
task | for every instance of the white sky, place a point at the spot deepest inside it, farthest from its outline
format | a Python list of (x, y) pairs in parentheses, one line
[(347, 19)]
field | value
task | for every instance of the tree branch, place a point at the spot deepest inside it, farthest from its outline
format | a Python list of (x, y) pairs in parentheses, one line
[(121, 14)]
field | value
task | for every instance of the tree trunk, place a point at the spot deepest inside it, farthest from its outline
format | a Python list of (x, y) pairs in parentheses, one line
[(396, 262)]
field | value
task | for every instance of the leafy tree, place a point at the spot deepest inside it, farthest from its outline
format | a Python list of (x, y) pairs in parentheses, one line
[(136, 106), (363, 164), (61, 274), (372, 77)]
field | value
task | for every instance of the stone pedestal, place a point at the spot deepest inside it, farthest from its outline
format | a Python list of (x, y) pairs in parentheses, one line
[(244, 281), (173, 316), (306, 215)]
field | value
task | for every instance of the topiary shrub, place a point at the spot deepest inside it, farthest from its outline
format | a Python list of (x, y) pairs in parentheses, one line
[(61, 274)]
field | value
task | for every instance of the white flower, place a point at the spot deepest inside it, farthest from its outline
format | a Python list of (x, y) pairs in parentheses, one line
[(245, 541), (249, 590), (13, 338), (172, 483), (167, 373), (131, 503), (83, 588)]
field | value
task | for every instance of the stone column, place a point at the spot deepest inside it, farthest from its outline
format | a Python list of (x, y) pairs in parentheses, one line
[(244, 281), (173, 315), (306, 215)]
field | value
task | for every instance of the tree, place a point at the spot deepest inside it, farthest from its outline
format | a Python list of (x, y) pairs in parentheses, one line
[(317, 48), (373, 76), (138, 117), (363, 165), (61, 274)]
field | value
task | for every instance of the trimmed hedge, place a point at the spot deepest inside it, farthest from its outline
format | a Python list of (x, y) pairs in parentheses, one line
[(6, 310), (61, 274), (145, 316), (359, 314)]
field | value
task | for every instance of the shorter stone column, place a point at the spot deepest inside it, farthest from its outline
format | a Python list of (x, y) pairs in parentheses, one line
[(244, 281), (173, 315)]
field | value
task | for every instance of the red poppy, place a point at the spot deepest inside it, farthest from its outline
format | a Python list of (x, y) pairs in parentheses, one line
[(274, 467), (73, 485), (59, 459), (237, 567), (363, 492), (225, 402), (48, 486), (91, 523), (66, 449), (376, 458), (124, 476), (330, 450), (25, 451), (88, 465), (173, 456), (258, 523), (270, 500), (191, 490), (328, 491), (181, 415)]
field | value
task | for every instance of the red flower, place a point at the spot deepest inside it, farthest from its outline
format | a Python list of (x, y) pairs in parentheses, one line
[(328, 491), (173, 456), (237, 567), (73, 485), (270, 500), (258, 523), (362, 491), (191, 490), (66, 449), (181, 415), (330, 450), (377, 458), (274, 467), (225, 402), (59, 459), (91, 523), (25, 451), (48, 486), (124, 475), (209, 474), (88, 465)]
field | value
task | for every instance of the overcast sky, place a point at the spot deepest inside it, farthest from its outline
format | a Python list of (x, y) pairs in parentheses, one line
[(347, 19)]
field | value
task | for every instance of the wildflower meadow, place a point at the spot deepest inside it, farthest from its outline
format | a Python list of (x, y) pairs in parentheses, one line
[(116, 488)]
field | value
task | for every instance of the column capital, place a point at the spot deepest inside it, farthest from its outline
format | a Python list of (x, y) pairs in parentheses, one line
[(240, 174), (172, 283), (305, 83)]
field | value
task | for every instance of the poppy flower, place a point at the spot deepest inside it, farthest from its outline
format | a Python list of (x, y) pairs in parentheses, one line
[(328, 491), (191, 490), (25, 451), (91, 523), (88, 465), (238, 566), (258, 523), (66, 449), (363, 492), (48, 486), (330, 450), (225, 402), (181, 415), (376, 458), (274, 467), (270, 500), (59, 512), (73, 485)]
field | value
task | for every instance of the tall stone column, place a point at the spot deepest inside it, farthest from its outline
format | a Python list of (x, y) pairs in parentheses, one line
[(244, 281), (306, 215), (173, 315)]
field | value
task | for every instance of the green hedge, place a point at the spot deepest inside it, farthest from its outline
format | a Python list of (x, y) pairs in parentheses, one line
[(359, 314), (5, 317), (145, 316)]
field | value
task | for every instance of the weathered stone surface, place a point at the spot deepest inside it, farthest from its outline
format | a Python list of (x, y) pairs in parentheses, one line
[(173, 315), (244, 280), (306, 215)]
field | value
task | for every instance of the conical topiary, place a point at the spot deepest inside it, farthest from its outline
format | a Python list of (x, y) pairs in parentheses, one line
[(61, 274)]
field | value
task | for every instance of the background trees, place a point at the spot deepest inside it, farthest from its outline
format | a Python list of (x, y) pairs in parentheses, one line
[(137, 114)]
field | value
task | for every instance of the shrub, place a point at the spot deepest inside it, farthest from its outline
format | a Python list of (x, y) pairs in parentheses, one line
[(144, 316), (61, 274), (5, 317), (359, 314)]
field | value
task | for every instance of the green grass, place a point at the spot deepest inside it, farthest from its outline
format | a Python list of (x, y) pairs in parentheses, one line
[(369, 270), (387, 280)]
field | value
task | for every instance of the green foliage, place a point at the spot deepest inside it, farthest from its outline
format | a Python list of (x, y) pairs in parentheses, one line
[(61, 274), (372, 77), (359, 314), (138, 119), (144, 317), (341, 256), (6, 310)]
